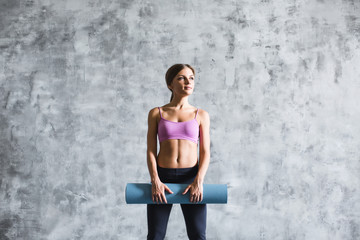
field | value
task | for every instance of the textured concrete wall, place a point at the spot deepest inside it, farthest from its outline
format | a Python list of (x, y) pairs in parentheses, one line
[(280, 80)]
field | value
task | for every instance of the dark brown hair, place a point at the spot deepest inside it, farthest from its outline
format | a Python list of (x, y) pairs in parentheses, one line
[(173, 71)]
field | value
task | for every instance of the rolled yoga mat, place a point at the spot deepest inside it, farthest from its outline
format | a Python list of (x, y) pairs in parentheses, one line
[(140, 193)]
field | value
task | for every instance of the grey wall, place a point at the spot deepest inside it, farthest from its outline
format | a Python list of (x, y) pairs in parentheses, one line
[(280, 80)]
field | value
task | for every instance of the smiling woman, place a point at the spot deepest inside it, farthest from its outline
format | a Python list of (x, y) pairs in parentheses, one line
[(180, 128)]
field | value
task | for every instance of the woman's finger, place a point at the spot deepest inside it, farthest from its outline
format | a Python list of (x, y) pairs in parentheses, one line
[(199, 197), (186, 190), (163, 198), (159, 196), (168, 189), (193, 198)]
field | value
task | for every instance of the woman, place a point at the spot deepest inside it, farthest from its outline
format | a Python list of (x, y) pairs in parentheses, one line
[(179, 127)]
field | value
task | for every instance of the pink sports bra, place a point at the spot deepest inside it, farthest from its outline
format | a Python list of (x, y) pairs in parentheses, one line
[(188, 130)]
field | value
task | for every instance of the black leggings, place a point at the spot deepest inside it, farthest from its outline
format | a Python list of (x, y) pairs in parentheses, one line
[(194, 214)]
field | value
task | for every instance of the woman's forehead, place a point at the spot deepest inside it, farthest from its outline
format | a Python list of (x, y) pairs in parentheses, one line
[(185, 71)]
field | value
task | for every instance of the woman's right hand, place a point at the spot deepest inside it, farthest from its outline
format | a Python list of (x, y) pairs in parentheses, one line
[(158, 191)]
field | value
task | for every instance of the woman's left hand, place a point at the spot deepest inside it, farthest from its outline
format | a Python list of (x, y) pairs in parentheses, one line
[(196, 191)]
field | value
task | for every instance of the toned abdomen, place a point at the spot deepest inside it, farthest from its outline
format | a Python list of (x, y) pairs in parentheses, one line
[(177, 153)]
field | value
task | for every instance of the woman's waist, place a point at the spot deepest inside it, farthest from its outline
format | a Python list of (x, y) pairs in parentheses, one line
[(176, 162), (177, 175)]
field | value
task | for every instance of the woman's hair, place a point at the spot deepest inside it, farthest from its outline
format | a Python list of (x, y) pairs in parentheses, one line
[(173, 71)]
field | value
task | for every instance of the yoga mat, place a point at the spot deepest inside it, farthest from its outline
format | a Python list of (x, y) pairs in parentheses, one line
[(140, 193)]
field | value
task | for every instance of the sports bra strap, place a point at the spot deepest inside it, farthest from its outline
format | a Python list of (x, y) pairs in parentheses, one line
[(196, 112), (160, 112)]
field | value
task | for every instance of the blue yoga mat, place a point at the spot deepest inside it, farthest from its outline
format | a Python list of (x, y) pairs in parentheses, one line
[(140, 193)]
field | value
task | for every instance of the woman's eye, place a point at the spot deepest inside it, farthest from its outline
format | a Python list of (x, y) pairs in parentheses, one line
[(181, 78)]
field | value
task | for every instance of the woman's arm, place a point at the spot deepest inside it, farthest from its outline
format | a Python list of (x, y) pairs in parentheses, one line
[(204, 152), (196, 188), (158, 188), (152, 146)]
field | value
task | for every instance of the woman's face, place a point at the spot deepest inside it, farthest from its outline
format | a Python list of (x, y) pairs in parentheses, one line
[(183, 83)]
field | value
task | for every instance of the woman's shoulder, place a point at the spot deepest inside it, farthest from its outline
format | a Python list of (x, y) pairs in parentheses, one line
[(203, 115), (154, 109), (202, 111)]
